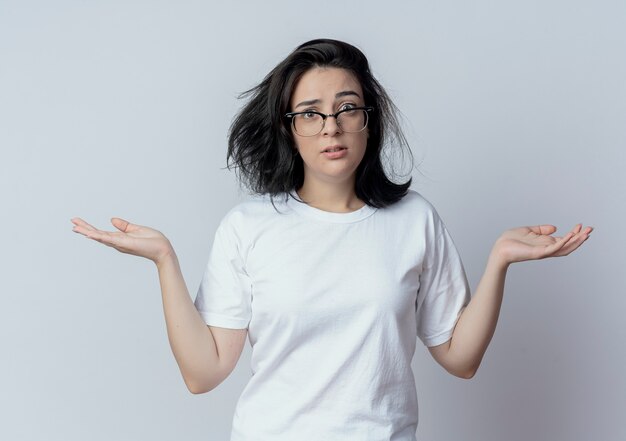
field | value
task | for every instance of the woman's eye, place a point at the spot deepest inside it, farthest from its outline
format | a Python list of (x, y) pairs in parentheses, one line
[(308, 115), (347, 106)]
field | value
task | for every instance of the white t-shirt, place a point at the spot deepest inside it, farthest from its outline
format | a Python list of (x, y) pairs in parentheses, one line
[(333, 303)]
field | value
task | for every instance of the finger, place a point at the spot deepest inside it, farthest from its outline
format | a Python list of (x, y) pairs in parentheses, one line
[(574, 233), (110, 239), (543, 229), (121, 224), (573, 236), (125, 226), (83, 230), (558, 245), (79, 222), (576, 242), (569, 247), (572, 244), (580, 234)]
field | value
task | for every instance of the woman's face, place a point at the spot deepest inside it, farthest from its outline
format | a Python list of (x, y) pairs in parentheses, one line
[(328, 90)]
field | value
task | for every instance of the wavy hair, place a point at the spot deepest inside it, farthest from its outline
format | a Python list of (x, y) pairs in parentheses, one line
[(261, 145)]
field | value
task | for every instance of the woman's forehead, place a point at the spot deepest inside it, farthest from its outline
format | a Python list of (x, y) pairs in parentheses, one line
[(325, 84)]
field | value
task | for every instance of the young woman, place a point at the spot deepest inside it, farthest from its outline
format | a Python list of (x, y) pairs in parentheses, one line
[(330, 269)]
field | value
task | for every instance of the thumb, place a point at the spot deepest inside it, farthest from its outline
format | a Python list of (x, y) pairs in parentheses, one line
[(120, 224), (543, 229)]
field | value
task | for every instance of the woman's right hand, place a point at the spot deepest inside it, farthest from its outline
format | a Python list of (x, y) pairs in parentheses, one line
[(132, 239)]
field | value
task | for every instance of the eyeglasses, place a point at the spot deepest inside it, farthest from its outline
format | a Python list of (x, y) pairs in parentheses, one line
[(310, 122)]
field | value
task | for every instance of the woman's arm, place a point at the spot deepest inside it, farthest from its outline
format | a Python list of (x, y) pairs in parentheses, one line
[(206, 355), (462, 354)]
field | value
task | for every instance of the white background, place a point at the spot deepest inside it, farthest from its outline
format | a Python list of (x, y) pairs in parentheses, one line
[(515, 112)]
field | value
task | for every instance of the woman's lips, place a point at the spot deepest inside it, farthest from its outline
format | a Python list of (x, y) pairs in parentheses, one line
[(333, 147), (335, 155)]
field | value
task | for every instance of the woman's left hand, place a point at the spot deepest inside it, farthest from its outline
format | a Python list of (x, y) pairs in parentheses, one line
[(533, 243)]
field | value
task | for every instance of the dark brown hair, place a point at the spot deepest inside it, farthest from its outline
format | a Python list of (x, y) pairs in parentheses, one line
[(261, 144)]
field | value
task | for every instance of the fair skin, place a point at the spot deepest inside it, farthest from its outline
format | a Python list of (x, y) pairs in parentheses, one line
[(329, 183), (205, 354), (329, 186), (463, 353)]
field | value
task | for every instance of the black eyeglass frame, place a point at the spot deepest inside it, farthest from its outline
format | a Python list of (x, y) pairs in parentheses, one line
[(291, 115)]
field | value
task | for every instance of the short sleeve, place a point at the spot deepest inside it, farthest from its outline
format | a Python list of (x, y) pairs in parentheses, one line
[(224, 295), (443, 289)]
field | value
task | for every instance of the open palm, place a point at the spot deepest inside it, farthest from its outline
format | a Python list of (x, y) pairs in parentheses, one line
[(138, 240), (536, 242)]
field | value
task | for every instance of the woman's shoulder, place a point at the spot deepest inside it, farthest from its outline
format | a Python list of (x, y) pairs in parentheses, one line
[(415, 212)]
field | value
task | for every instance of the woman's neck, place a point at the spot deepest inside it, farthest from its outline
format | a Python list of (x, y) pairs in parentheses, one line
[(333, 198)]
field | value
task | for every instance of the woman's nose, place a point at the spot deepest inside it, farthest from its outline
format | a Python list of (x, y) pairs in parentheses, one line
[(330, 126)]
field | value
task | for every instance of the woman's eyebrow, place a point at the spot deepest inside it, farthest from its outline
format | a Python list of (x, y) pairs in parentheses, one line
[(337, 95), (347, 93)]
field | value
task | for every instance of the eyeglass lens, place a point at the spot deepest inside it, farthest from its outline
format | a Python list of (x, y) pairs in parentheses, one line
[(309, 124)]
